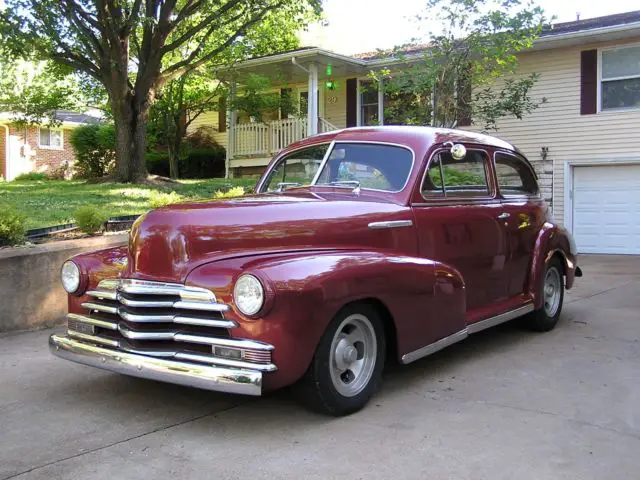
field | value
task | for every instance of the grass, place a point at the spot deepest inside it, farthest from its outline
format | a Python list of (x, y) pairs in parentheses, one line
[(53, 202)]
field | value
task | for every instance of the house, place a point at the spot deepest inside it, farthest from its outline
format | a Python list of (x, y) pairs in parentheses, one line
[(32, 148), (584, 142)]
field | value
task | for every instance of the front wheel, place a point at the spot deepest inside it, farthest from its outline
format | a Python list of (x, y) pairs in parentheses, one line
[(347, 367), (546, 318)]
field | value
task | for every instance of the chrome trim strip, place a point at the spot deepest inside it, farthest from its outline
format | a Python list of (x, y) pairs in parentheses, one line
[(230, 380), (391, 224), (93, 338), (210, 307), (434, 347), (144, 287), (498, 319), (223, 342), (464, 333), (103, 294), (144, 303), (93, 321), (170, 318), (262, 367)]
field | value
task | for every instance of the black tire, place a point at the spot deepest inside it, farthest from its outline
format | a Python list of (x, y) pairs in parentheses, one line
[(545, 318), (317, 391)]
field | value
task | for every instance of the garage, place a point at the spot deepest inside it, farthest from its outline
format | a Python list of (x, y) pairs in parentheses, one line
[(606, 209)]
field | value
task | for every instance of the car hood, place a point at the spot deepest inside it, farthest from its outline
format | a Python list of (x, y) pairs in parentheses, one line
[(166, 244)]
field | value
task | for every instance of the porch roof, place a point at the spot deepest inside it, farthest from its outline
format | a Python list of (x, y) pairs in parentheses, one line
[(287, 65)]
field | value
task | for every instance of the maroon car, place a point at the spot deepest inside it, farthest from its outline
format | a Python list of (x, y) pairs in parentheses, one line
[(360, 246)]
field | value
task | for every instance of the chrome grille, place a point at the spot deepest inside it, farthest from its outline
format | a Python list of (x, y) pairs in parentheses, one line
[(165, 320)]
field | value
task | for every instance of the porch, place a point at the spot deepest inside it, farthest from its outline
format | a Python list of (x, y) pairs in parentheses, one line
[(325, 86)]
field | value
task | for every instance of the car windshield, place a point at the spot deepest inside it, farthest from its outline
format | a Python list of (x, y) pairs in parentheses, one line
[(295, 169), (367, 165)]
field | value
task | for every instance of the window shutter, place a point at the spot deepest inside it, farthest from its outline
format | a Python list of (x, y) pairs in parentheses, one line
[(222, 114), (352, 102), (464, 91), (588, 82)]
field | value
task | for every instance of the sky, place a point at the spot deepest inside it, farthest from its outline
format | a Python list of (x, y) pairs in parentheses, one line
[(356, 26)]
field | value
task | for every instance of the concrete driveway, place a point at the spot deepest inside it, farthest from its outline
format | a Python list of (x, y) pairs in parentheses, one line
[(504, 404)]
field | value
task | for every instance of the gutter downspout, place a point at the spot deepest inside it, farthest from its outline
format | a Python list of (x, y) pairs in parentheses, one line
[(7, 150)]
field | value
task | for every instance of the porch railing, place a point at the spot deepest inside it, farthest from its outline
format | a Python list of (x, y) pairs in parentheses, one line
[(271, 137)]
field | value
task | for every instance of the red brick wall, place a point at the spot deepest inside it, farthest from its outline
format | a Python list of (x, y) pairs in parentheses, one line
[(44, 159)]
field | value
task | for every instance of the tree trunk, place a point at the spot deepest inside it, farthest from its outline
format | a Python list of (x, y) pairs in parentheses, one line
[(174, 155), (130, 118)]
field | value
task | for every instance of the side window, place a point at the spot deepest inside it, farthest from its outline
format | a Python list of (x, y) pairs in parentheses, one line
[(447, 177), (515, 177), (296, 169)]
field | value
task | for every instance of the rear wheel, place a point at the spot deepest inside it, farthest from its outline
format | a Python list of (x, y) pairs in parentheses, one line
[(347, 367), (546, 318)]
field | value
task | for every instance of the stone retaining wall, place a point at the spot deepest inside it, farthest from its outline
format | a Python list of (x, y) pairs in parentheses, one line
[(31, 295)]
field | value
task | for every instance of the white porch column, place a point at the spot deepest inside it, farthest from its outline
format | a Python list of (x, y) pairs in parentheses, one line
[(312, 104), (380, 102), (231, 135)]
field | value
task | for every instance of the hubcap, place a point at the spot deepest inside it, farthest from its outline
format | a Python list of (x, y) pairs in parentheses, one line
[(552, 291), (353, 355)]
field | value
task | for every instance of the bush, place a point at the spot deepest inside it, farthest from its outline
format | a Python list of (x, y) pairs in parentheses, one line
[(160, 199), (11, 226), (232, 192), (158, 163), (94, 146), (31, 177), (90, 220)]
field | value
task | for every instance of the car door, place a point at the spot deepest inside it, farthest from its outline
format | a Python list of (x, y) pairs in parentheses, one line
[(523, 213), (457, 222)]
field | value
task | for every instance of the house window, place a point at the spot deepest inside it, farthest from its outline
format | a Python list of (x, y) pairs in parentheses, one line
[(620, 78), (50, 138), (368, 103)]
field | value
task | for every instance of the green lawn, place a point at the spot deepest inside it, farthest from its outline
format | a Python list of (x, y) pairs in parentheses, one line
[(46, 203)]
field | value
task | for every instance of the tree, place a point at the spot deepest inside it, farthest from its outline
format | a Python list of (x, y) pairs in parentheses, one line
[(135, 48), (183, 100), (33, 91), (468, 70)]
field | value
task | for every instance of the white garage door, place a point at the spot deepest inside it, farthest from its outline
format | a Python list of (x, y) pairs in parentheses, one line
[(606, 209)]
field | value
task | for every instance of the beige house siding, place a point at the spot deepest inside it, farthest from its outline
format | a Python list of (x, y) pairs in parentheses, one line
[(210, 119), (558, 125)]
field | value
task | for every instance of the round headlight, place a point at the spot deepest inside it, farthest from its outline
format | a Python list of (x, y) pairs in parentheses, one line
[(70, 276), (248, 295)]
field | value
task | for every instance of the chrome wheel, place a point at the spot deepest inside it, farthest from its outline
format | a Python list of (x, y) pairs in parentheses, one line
[(353, 355), (552, 291)]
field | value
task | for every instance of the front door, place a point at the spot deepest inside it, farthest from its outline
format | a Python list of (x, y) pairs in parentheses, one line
[(523, 214), (458, 225)]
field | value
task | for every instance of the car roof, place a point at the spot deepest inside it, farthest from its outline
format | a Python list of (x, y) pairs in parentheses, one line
[(405, 135)]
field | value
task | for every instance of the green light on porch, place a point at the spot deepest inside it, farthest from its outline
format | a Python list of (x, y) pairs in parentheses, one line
[(329, 71), (330, 85)]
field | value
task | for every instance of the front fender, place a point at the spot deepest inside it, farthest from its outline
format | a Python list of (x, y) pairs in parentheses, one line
[(424, 298), (552, 239)]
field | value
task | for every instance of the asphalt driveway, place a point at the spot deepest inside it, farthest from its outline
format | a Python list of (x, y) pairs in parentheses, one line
[(503, 404)]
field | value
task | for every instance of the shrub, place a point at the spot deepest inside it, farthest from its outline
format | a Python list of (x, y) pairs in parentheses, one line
[(232, 192), (158, 163), (63, 172), (94, 146), (31, 177), (11, 226), (161, 199), (90, 220)]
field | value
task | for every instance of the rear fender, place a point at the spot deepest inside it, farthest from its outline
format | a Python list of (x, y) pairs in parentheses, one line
[(552, 240), (424, 298)]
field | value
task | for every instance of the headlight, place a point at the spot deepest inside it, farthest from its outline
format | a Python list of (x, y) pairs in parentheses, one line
[(248, 295), (70, 276)]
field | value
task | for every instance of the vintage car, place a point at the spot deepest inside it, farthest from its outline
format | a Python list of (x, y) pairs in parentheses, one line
[(359, 246)]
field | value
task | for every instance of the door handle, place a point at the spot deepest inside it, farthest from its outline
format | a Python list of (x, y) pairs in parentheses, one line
[(504, 216)]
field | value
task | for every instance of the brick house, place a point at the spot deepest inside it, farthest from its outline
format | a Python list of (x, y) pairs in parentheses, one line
[(25, 149)]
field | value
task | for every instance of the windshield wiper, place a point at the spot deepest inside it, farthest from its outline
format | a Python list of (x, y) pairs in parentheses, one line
[(355, 183), (282, 186)]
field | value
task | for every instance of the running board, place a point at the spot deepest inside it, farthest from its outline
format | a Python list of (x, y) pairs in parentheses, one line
[(464, 333)]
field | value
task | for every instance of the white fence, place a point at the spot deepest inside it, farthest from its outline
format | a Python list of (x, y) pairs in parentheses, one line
[(271, 137)]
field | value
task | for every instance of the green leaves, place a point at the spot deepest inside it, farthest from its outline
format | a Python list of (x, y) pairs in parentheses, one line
[(468, 68)]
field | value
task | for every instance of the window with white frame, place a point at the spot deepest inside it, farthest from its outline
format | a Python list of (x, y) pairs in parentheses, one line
[(368, 102), (50, 137), (620, 78)]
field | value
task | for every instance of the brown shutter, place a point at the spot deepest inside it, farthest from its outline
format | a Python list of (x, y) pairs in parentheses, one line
[(222, 114), (352, 102), (464, 100), (588, 82)]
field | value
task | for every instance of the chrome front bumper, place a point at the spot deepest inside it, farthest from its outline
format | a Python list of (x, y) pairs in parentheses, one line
[(220, 379)]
